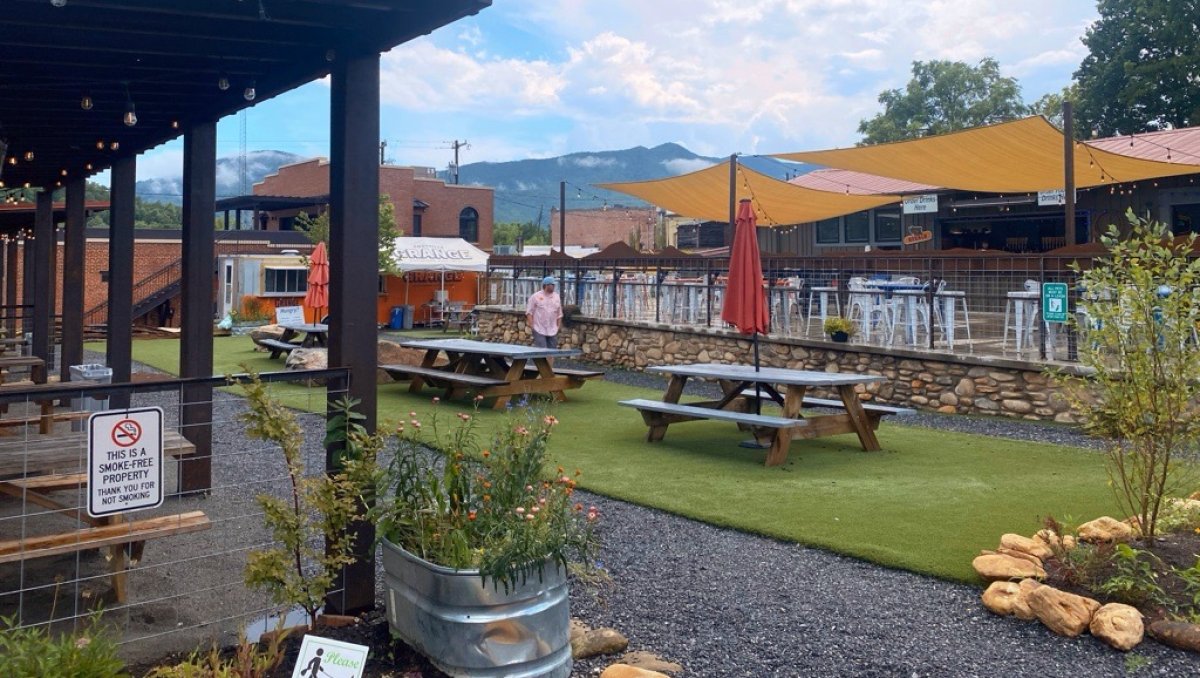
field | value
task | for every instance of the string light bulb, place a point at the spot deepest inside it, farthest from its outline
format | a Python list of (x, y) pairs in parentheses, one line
[(28, 156), (130, 116), (99, 144), (250, 92), (86, 102), (223, 82), (114, 145)]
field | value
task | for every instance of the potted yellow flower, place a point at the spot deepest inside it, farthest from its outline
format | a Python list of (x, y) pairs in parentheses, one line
[(840, 329)]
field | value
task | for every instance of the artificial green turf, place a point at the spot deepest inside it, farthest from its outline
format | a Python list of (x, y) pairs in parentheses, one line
[(927, 503)]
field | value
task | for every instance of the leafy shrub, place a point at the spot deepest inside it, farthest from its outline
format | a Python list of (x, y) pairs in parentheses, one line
[(253, 309), (34, 651), (840, 324), (1135, 581)]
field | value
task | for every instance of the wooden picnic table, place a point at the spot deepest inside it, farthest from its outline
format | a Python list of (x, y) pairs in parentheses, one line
[(738, 384), (33, 468), (37, 367), (489, 369), (315, 334)]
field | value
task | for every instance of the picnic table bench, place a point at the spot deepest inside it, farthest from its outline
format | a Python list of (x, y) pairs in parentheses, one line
[(275, 346), (37, 367), (48, 416), (874, 410), (32, 468), (439, 378), (734, 406)]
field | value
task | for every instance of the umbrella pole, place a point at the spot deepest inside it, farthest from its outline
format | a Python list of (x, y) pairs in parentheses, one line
[(757, 384)]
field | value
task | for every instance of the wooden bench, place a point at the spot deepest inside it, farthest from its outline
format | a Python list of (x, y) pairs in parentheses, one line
[(676, 413), (435, 376), (64, 453), (570, 372), (276, 346), (125, 540), (46, 419), (868, 407), (37, 367)]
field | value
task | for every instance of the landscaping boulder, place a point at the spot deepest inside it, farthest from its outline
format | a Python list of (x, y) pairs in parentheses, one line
[(266, 332), (1001, 597), (1105, 530), (1180, 635), (1063, 613), (1021, 609), (308, 359), (1051, 539), (577, 629), (1033, 547), (1118, 625), (650, 662), (1019, 554), (627, 671), (598, 641), (1001, 567)]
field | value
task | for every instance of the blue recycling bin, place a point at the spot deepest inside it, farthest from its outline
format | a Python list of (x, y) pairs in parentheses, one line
[(396, 319)]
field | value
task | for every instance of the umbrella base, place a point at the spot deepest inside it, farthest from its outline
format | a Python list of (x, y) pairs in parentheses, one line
[(754, 444)]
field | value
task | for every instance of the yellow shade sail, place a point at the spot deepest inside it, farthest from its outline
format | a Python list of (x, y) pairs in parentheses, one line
[(705, 195), (1012, 157)]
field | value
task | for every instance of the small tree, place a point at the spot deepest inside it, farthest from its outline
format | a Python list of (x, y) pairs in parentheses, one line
[(317, 230), (1139, 339)]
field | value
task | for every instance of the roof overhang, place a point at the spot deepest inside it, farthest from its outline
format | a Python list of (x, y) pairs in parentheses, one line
[(166, 57)]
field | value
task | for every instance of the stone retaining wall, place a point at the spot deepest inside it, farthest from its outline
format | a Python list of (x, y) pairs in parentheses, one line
[(952, 384)]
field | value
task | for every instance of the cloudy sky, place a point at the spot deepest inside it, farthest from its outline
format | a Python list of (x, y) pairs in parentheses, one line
[(538, 78)]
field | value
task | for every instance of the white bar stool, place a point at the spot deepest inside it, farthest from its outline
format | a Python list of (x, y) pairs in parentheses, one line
[(1022, 309), (818, 305)]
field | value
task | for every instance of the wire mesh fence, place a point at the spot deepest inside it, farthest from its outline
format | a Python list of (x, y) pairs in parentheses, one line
[(983, 303), (170, 578)]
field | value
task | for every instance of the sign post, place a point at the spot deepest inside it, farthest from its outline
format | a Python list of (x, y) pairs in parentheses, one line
[(1054, 302), (125, 461)]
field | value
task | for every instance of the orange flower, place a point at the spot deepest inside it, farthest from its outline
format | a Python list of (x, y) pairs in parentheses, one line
[(471, 515), (486, 454)]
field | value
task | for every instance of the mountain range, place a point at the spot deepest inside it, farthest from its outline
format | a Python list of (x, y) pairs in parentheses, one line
[(525, 190)]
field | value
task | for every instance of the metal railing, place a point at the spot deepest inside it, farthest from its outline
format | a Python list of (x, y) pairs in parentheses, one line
[(984, 303), (148, 292)]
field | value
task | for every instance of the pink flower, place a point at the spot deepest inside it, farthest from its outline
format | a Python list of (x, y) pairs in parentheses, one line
[(436, 400), (520, 510), (412, 414), (529, 488), (529, 517), (478, 398), (550, 420), (542, 501), (521, 431), (535, 509)]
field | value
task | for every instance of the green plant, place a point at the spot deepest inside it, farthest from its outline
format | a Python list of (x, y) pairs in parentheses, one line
[(248, 660), (1077, 563), (1135, 662), (253, 309), (34, 651), (311, 525), (840, 324), (316, 229), (1138, 344), (499, 509), (1134, 580), (1179, 514)]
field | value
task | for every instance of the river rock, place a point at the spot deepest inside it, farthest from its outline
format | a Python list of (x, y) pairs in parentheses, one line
[(999, 567), (1001, 596), (1105, 529), (266, 332), (1118, 625), (627, 671), (577, 629), (1033, 547), (1051, 539), (1063, 613), (598, 641), (1180, 635), (650, 662)]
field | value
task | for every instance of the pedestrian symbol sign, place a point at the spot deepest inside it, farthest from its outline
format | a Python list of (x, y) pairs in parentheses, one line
[(125, 461), (1054, 302), (325, 658)]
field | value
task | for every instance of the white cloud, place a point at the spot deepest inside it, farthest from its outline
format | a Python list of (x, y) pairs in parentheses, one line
[(593, 161), (716, 75), (685, 165)]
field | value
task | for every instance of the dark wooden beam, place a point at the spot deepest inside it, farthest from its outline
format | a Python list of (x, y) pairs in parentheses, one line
[(353, 271), (120, 274), (12, 273), (196, 327), (44, 244), (74, 245)]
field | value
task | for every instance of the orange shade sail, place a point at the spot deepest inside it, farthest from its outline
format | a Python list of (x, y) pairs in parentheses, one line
[(1021, 156), (704, 194)]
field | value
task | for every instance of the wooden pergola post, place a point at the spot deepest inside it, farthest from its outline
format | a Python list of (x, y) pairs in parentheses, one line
[(120, 274), (43, 278), (12, 272), (27, 286), (74, 244)]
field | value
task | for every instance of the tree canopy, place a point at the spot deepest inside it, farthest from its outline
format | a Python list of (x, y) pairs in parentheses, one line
[(1142, 72), (528, 233), (317, 230), (944, 96)]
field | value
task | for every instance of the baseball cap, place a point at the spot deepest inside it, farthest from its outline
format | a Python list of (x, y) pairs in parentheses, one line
[(549, 280)]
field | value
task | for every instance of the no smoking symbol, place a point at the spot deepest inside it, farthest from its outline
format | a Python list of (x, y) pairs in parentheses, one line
[(126, 433)]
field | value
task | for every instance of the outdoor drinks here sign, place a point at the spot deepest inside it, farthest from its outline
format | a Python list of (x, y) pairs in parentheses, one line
[(920, 204), (125, 461)]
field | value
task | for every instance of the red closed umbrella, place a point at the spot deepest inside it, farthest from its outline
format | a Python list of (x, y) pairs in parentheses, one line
[(744, 305), (317, 296)]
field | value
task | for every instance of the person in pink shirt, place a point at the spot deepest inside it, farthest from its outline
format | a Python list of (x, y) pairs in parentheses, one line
[(544, 314)]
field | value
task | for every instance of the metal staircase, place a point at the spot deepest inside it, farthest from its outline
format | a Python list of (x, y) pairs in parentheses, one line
[(148, 294)]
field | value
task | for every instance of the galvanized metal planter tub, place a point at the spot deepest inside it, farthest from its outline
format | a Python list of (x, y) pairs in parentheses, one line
[(471, 629)]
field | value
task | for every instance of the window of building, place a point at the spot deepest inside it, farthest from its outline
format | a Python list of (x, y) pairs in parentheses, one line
[(468, 224), (829, 231), (290, 281), (416, 231), (287, 223), (858, 227), (887, 226)]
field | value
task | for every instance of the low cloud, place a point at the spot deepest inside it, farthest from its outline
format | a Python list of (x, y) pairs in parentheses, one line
[(685, 165)]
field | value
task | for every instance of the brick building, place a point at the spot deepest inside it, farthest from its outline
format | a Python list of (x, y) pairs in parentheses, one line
[(603, 226), (425, 205)]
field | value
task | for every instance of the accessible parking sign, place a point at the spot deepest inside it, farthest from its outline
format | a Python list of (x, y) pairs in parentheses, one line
[(125, 461)]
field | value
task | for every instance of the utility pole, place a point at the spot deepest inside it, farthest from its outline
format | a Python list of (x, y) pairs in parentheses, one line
[(382, 151), (456, 144), (562, 217)]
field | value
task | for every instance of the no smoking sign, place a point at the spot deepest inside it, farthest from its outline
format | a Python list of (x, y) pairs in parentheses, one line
[(125, 461)]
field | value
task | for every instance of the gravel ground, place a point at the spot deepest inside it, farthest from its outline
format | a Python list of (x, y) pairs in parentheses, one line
[(724, 603)]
